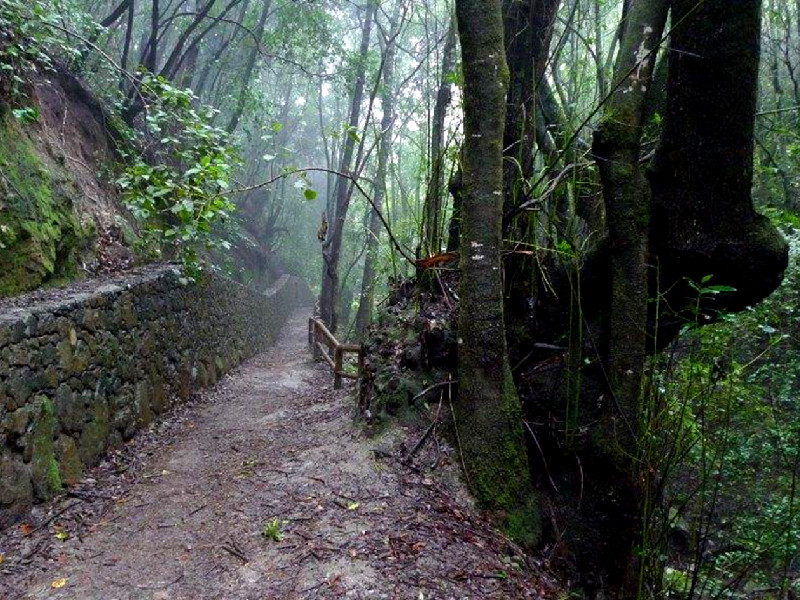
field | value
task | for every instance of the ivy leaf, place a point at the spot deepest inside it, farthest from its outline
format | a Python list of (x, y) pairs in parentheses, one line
[(309, 194)]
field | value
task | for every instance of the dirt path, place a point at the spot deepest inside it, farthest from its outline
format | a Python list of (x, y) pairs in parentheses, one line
[(180, 513)]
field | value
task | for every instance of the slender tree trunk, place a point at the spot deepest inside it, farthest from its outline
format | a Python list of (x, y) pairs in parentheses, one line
[(627, 200), (249, 66), (455, 188), (220, 46), (151, 62), (488, 412), (126, 49), (432, 225), (332, 247), (364, 315), (188, 65), (626, 194)]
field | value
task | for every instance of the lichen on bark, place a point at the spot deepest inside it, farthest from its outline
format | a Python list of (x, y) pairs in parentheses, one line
[(488, 411)]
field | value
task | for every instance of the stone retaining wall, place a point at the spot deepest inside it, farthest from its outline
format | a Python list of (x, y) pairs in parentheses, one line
[(82, 372)]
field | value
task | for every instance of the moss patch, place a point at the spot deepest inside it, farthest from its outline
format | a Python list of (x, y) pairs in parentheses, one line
[(39, 232), (45, 473)]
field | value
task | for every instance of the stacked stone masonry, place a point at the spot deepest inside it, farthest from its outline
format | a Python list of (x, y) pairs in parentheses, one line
[(80, 374)]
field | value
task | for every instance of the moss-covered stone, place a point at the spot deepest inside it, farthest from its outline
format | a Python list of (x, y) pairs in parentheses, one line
[(95, 435), (16, 491), (40, 234), (45, 473), (142, 396), (69, 462)]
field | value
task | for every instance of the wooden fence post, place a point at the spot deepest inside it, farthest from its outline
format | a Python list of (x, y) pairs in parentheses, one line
[(337, 369)]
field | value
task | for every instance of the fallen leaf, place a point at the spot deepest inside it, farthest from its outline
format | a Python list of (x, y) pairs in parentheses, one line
[(25, 529), (62, 535), (59, 583), (2, 558), (353, 506)]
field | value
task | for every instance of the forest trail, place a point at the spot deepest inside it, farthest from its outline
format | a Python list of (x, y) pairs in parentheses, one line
[(180, 512)]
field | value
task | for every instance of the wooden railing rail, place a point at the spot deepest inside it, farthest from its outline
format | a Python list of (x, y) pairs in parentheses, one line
[(325, 346)]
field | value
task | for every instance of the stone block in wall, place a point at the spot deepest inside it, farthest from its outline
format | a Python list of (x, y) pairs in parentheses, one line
[(45, 472), (69, 462), (16, 489), (70, 409), (142, 397), (20, 387), (94, 437)]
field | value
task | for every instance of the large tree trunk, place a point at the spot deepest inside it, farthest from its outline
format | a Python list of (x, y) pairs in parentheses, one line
[(488, 412), (332, 247), (703, 215)]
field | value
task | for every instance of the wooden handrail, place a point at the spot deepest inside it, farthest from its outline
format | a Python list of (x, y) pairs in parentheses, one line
[(319, 337)]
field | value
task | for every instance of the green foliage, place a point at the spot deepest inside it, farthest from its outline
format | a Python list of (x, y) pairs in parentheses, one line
[(176, 186), (735, 425), (28, 114), (272, 530), (24, 38)]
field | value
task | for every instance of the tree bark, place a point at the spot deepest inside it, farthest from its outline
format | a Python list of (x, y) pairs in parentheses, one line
[(151, 62), (626, 196), (432, 213), (127, 44), (627, 203), (332, 247), (364, 314), (241, 99), (703, 215), (488, 412)]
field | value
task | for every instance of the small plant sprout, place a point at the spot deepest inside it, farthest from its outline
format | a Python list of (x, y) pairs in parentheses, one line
[(272, 530)]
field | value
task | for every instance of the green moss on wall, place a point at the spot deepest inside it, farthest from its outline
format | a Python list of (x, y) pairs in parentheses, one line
[(45, 473), (39, 233)]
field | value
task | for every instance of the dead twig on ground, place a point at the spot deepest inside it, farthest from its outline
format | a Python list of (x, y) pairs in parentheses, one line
[(233, 549), (55, 515), (427, 433), (541, 453), (430, 388), (166, 584)]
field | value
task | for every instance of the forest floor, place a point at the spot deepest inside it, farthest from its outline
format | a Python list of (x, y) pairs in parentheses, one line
[(264, 487)]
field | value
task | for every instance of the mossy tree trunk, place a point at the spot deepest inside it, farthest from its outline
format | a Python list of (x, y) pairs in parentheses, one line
[(488, 412), (704, 219), (627, 203)]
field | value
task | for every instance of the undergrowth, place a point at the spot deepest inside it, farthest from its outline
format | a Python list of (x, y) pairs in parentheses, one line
[(731, 498)]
